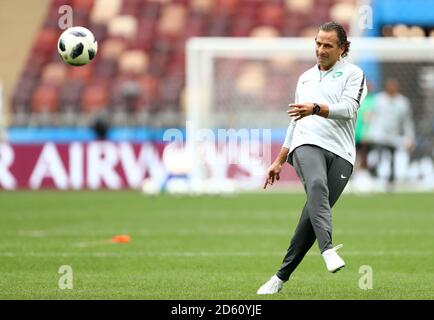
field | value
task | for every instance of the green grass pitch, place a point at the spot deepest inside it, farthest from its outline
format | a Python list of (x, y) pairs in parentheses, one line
[(208, 247)]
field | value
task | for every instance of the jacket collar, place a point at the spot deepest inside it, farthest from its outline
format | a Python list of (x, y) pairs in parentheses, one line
[(334, 67), (337, 64)]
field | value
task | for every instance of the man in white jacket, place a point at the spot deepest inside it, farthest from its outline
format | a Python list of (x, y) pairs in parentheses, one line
[(320, 144)]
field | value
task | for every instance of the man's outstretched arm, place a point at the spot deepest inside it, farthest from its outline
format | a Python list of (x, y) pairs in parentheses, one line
[(273, 172)]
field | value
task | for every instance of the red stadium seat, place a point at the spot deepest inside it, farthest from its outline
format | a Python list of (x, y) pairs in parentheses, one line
[(228, 6), (242, 26), (300, 6), (104, 10), (203, 6), (124, 26), (150, 92), (85, 5), (158, 63), (172, 20), (219, 25), (195, 25), (272, 15), (57, 3), (343, 12), (94, 98), (248, 9), (131, 7), (112, 48), (106, 69), (46, 40), (308, 32), (177, 63), (70, 95), (150, 10), (22, 97), (125, 95), (83, 73), (146, 33), (133, 62), (99, 31), (265, 32), (34, 65), (293, 24), (45, 99), (51, 23), (181, 2), (54, 73), (170, 91), (81, 18)]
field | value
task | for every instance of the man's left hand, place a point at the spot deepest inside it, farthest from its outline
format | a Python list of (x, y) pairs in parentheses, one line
[(300, 110)]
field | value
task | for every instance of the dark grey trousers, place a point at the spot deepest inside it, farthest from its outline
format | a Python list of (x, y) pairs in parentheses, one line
[(324, 176)]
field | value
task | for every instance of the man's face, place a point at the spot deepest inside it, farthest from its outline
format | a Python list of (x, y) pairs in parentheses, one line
[(327, 49), (391, 87)]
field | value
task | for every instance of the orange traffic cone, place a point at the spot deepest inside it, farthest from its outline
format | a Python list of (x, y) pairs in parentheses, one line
[(123, 238)]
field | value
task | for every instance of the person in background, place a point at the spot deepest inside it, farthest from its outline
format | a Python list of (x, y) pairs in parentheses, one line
[(392, 125), (362, 177)]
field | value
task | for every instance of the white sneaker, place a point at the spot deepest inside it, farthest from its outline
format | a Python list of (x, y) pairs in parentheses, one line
[(272, 286), (332, 260)]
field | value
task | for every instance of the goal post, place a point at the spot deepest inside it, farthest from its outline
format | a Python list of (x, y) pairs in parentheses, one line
[(202, 54)]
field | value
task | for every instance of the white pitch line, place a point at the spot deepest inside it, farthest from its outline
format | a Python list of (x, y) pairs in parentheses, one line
[(204, 254), (217, 232), (33, 233)]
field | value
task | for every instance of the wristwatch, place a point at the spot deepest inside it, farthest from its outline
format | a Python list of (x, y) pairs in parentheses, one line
[(316, 108)]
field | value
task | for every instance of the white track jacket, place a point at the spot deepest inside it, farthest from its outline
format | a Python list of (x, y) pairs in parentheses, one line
[(342, 88)]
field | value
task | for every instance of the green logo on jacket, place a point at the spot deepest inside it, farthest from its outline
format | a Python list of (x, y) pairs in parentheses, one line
[(337, 74)]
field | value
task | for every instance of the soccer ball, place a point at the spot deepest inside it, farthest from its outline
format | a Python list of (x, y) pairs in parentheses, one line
[(77, 46)]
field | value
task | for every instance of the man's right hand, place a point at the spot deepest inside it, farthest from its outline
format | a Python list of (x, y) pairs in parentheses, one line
[(272, 174)]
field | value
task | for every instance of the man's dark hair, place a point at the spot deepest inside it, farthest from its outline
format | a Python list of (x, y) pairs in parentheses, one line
[(340, 31)]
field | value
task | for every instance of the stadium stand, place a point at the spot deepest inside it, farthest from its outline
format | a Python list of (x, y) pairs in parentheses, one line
[(140, 67)]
